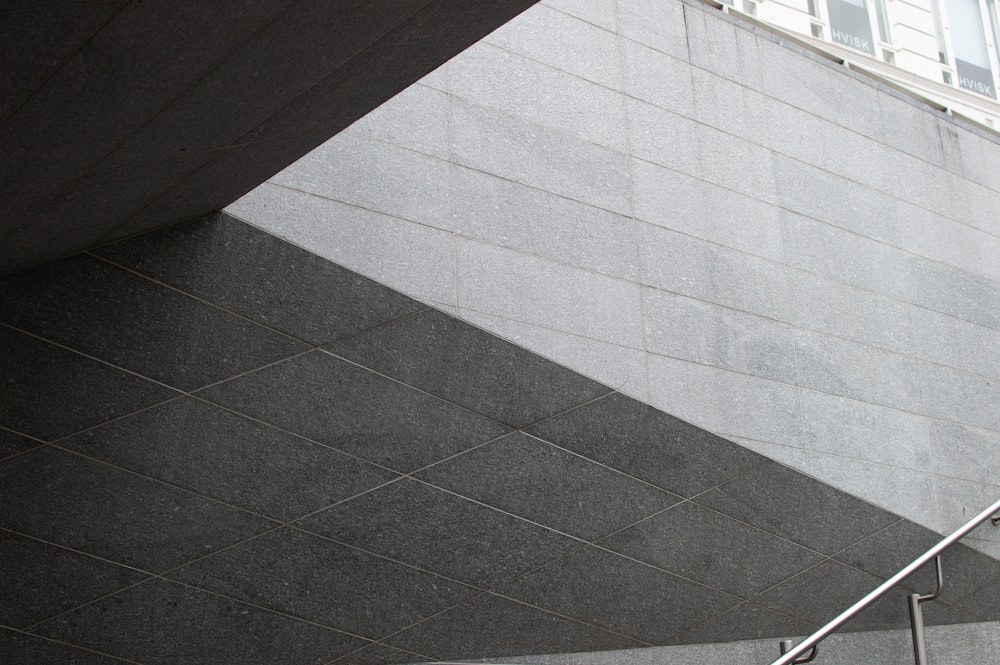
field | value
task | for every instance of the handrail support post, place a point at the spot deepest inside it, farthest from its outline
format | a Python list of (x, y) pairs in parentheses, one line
[(784, 646), (917, 629)]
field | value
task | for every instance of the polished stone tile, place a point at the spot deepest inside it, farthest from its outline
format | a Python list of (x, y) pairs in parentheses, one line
[(885, 553), (707, 334), (105, 312), (337, 403), (417, 260), (638, 440), (165, 623), (489, 141), (824, 196), (688, 205), (416, 118), (39, 39), (44, 141), (728, 403), (266, 279), (712, 40), (49, 392), (553, 37), (746, 621), (509, 284), (889, 550), (688, 266), (493, 626), (42, 580), (376, 176), (835, 366), (540, 482), (841, 310), (216, 453), (321, 581), (469, 366), (380, 654), (94, 508), (718, 551), (821, 593), (283, 54), (611, 364), (22, 649), (417, 524), (794, 506), (598, 12), (507, 82), (657, 79), (507, 214), (859, 431), (11, 443), (956, 395), (611, 591)]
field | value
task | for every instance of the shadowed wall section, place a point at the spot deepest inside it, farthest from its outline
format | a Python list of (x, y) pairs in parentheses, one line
[(218, 447)]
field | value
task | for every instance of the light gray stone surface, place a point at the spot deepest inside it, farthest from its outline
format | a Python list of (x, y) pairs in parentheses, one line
[(512, 285), (839, 367), (863, 431), (708, 334), (669, 200), (504, 213), (682, 264), (845, 311), (658, 25), (510, 83), (416, 119), (554, 36), (815, 193), (946, 340), (374, 175), (704, 210), (489, 141), (657, 80), (726, 402), (599, 12)]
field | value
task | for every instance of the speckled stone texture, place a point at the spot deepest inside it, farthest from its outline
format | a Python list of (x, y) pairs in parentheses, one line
[(369, 480)]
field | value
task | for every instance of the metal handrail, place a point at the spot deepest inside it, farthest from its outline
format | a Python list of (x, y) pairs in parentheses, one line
[(813, 640)]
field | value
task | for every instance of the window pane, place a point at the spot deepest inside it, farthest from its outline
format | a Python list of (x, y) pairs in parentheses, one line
[(972, 59), (849, 24), (883, 21)]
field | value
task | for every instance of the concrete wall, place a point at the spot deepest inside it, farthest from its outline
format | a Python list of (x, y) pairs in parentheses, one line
[(732, 230)]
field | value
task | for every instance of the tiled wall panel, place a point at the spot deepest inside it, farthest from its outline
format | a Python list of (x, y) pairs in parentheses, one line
[(662, 196)]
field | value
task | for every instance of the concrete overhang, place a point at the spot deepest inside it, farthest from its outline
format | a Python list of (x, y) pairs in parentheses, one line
[(121, 116)]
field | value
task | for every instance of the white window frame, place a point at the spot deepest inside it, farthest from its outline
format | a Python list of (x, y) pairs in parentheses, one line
[(989, 32)]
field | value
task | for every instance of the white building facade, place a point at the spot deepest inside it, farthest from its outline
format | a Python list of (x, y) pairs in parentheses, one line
[(944, 50)]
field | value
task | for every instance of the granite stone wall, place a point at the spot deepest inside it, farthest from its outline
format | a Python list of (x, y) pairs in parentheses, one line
[(722, 225), (216, 447)]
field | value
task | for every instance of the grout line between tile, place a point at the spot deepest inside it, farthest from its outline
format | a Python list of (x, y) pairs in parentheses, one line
[(295, 434), (164, 483), (204, 301), (25, 631), (89, 357)]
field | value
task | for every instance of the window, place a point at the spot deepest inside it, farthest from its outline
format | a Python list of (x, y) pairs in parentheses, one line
[(850, 24), (969, 46)]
